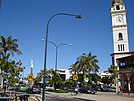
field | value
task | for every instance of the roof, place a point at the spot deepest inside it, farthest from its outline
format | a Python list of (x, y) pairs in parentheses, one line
[(117, 1), (131, 53)]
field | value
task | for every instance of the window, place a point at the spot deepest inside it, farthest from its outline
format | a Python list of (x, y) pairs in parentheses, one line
[(120, 36), (117, 7), (118, 47), (121, 47), (122, 64)]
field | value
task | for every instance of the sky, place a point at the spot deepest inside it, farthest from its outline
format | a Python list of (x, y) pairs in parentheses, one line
[(26, 20)]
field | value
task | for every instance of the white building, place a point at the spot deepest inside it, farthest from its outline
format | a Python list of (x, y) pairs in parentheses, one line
[(121, 57), (105, 74), (64, 73)]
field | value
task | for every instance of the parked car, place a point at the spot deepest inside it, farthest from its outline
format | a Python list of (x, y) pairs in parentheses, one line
[(111, 89), (90, 91), (86, 90), (64, 87), (108, 89), (35, 89), (21, 88)]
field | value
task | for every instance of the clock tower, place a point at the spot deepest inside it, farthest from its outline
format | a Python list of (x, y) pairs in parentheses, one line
[(119, 29), (119, 26), (122, 58)]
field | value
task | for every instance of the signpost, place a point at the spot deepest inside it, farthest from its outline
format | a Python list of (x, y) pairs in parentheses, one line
[(30, 77), (75, 77)]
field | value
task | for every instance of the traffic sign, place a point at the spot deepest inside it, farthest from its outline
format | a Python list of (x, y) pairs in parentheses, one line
[(30, 77), (75, 77)]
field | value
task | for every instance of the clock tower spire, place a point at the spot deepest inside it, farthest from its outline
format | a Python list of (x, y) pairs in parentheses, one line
[(119, 26), (114, 2)]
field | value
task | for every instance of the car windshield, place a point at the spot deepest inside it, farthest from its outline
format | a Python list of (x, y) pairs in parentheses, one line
[(23, 85)]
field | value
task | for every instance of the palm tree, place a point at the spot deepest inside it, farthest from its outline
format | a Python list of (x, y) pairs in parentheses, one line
[(8, 47), (114, 71), (56, 79), (74, 69), (86, 64), (39, 77)]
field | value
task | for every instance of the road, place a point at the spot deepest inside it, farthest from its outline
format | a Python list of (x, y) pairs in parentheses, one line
[(102, 96), (50, 98), (99, 96)]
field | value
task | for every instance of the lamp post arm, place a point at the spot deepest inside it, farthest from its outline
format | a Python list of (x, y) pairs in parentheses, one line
[(45, 55), (77, 16)]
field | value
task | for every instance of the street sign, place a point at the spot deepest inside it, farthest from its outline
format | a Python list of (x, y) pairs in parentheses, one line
[(30, 77), (75, 77)]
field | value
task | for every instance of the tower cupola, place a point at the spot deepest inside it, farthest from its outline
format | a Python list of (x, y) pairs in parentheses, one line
[(117, 2)]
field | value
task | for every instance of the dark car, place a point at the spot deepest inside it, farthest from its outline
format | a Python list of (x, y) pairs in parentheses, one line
[(64, 87), (108, 89), (35, 89), (82, 89), (90, 91), (86, 90)]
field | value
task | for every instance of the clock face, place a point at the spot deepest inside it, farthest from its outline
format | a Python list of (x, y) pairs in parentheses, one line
[(119, 18)]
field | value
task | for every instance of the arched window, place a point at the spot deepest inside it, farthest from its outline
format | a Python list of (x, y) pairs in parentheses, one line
[(120, 36)]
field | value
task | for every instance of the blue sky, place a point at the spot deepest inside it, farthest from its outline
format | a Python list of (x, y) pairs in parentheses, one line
[(26, 20)]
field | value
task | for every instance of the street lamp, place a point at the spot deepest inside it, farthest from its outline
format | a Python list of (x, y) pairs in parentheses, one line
[(46, 41), (57, 46)]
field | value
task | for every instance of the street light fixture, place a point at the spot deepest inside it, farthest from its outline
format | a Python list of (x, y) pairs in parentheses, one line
[(57, 47), (46, 41)]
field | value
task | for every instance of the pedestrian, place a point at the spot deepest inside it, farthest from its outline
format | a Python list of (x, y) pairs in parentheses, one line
[(4, 87), (120, 90), (76, 90)]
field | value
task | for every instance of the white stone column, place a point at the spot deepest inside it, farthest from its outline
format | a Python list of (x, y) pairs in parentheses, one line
[(1, 80), (128, 79)]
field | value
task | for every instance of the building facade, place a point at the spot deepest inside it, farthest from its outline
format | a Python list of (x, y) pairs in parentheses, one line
[(121, 56)]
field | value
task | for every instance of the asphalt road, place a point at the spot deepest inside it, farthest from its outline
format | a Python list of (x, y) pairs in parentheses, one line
[(49, 98)]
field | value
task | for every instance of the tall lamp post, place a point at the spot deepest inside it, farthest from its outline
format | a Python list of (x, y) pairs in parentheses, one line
[(46, 41), (56, 50)]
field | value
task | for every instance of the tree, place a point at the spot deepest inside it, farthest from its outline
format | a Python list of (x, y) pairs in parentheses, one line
[(75, 68), (55, 77), (14, 69), (86, 64), (8, 47), (38, 79), (96, 78), (106, 80), (114, 71)]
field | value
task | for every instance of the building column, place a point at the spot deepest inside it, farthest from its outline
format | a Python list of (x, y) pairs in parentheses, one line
[(128, 79), (122, 81), (1, 80), (132, 83)]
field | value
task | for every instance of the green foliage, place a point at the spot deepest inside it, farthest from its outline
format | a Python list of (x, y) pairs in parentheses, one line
[(84, 66), (106, 80), (9, 68), (114, 71), (95, 78), (56, 80), (38, 79)]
